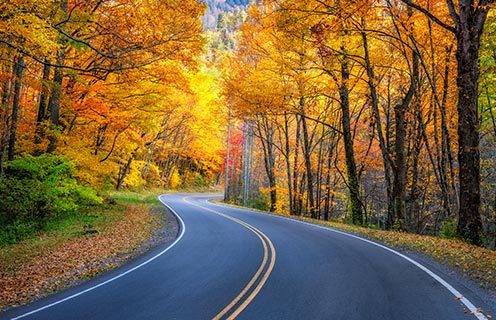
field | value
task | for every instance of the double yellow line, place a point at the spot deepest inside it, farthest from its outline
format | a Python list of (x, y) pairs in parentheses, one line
[(243, 299)]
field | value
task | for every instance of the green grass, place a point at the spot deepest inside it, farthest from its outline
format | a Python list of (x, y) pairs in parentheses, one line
[(93, 217), (148, 197), (60, 229)]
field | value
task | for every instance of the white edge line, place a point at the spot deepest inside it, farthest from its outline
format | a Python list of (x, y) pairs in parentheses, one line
[(455, 292), (183, 229)]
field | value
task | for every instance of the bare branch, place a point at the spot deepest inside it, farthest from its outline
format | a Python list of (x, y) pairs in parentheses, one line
[(430, 15)]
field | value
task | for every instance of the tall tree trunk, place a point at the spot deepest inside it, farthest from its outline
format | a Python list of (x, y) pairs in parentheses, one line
[(54, 102), (266, 134), (351, 170), (6, 95), (58, 77), (296, 193), (247, 161), (399, 181), (42, 107), (287, 155), (469, 218), (149, 160), (307, 152), (228, 160), (18, 71), (382, 143)]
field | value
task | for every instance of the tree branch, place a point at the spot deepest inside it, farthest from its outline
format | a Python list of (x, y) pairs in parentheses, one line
[(430, 15)]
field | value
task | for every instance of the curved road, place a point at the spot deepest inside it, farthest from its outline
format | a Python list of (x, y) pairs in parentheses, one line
[(231, 263)]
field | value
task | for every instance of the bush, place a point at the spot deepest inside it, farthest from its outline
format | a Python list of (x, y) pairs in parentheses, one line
[(37, 189), (448, 230)]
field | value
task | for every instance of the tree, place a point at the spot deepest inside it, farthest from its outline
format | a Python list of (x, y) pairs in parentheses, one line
[(468, 18)]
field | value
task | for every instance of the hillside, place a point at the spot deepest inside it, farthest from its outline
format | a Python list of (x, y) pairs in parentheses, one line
[(217, 7)]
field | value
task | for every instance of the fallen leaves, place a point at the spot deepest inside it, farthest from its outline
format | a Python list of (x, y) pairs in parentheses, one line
[(477, 263), (37, 270)]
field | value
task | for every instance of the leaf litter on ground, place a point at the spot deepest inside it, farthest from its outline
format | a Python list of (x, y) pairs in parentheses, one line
[(34, 269)]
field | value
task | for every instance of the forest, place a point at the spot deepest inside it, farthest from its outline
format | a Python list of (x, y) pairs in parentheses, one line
[(376, 113), (101, 95)]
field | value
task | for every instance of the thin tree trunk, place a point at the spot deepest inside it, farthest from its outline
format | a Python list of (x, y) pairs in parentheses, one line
[(380, 134), (287, 148), (296, 191), (18, 71), (7, 94), (308, 162), (42, 106), (56, 96), (266, 134), (123, 171), (150, 159), (54, 102), (228, 154)]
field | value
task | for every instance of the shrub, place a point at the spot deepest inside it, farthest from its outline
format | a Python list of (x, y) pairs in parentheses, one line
[(448, 230), (37, 189)]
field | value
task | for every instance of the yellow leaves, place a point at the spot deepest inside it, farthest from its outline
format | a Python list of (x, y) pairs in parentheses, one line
[(28, 30)]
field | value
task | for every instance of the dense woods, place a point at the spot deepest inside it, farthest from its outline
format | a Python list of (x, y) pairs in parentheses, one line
[(378, 113), (372, 111), (115, 90), (116, 86)]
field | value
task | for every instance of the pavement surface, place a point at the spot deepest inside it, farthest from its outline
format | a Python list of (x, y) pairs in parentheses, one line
[(233, 263)]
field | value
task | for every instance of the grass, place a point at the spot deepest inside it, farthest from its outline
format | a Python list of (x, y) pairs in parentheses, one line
[(76, 247), (148, 197)]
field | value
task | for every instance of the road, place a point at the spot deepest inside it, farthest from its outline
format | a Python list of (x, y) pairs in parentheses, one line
[(232, 263)]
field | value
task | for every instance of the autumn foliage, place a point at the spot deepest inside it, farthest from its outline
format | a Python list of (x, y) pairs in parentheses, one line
[(354, 112), (117, 87)]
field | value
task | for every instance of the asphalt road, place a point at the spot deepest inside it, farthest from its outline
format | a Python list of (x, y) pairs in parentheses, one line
[(232, 263)]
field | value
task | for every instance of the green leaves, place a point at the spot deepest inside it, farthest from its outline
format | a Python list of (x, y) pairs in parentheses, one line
[(36, 190)]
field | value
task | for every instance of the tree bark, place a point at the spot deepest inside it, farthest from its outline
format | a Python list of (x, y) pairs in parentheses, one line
[(469, 18), (307, 153), (287, 153), (228, 160), (54, 102), (123, 171), (380, 134), (469, 218), (18, 71), (42, 107), (6, 96), (351, 170), (266, 134)]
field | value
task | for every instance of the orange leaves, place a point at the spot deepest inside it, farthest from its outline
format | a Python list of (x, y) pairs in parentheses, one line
[(41, 269)]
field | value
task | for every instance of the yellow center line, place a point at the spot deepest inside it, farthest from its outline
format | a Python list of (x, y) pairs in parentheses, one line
[(249, 285), (260, 284), (266, 245)]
